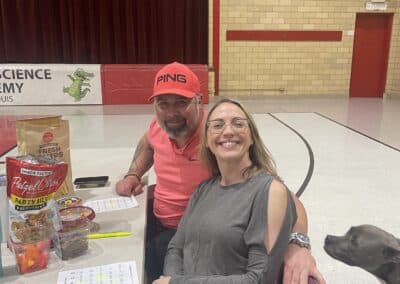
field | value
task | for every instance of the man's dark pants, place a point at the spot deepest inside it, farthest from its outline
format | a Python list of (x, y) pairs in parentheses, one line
[(157, 240)]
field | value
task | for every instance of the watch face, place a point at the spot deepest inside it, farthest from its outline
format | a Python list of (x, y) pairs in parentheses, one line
[(300, 239), (303, 238)]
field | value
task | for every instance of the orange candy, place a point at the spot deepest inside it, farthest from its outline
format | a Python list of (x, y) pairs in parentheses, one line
[(32, 257)]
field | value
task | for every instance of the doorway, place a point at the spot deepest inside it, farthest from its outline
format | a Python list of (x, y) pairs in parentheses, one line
[(370, 54)]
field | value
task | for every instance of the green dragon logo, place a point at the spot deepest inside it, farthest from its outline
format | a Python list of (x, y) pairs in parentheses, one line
[(80, 83)]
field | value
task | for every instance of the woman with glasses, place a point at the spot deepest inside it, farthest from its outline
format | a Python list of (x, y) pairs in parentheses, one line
[(237, 225)]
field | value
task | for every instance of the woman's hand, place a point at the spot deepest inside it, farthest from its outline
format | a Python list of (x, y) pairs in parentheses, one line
[(162, 280), (299, 264)]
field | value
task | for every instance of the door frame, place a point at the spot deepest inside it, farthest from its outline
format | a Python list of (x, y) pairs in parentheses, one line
[(385, 62)]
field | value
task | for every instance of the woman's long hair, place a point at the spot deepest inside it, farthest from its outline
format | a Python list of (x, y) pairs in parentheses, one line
[(261, 159)]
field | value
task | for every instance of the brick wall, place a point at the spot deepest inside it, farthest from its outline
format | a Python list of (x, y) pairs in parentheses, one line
[(393, 78), (295, 67)]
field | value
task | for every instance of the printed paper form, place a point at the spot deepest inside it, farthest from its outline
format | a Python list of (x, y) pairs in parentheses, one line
[(115, 273), (112, 204)]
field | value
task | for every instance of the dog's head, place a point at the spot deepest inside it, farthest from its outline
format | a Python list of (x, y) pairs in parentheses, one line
[(365, 246)]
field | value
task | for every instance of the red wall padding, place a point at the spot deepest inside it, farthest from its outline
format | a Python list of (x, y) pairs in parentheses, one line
[(133, 84), (7, 133)]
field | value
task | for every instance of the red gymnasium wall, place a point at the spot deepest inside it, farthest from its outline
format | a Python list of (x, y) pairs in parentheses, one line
[(133, 84), (7, 133)]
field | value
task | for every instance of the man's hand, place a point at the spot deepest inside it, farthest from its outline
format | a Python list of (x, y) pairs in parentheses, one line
[(299, 264), (162, 280), (128, 186)]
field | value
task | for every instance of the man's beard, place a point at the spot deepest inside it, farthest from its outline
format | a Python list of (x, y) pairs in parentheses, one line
[(181, 131), (175, 132)]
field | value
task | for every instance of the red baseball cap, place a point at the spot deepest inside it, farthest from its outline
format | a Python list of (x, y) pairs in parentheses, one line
[(176, 79)]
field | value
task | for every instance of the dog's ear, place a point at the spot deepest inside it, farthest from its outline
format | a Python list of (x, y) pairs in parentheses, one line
[(392, 254)]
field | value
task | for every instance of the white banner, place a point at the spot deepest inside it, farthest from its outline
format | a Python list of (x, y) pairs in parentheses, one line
[(50, 84)]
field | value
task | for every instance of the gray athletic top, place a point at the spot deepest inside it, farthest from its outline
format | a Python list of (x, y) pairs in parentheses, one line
[(220, 238)]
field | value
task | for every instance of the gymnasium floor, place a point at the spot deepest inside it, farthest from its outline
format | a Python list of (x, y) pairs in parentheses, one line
[(342, 154)]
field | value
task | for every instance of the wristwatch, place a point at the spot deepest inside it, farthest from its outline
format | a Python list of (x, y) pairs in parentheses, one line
[(300, 239)]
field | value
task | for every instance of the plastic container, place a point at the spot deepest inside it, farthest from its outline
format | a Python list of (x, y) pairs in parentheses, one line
[(31, 256), (72, 216), (31, 230), (68, 201), (72, 240)]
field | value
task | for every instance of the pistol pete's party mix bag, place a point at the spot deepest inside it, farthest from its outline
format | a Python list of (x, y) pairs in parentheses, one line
[(47, 137)]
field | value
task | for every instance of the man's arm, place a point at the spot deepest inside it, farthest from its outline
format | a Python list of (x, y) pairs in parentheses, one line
[(142, 159), (141, 163), (299, 264)]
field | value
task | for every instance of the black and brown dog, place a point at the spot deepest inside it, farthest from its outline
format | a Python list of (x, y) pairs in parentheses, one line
[(369, 248)]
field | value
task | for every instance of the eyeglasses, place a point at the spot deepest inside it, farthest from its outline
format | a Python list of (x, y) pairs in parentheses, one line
[(181, 105), (237, 124)]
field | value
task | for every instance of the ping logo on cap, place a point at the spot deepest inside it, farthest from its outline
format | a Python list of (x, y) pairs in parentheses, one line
[(175, 79), (181, 78)]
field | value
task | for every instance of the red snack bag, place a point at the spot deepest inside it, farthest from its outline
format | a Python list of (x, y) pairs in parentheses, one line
[(31, 184)]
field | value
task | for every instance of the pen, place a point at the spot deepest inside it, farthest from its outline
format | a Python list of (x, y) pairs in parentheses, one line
[(108, 235)]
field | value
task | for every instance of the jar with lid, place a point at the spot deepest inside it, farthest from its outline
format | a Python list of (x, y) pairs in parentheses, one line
[(72, 240)]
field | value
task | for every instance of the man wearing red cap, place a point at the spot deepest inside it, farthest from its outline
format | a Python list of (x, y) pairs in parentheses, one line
[(171, 145)]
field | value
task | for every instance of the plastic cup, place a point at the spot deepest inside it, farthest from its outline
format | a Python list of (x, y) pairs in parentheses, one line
[(72, 241), (69, 201), (31, 256)]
